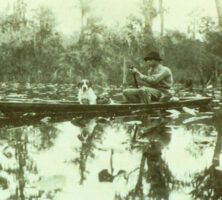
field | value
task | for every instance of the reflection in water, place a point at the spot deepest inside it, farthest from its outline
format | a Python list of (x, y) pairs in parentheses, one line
[(154, 181), (159, 176), (137, 157), (217, 118), (207, 184), (217, 151), (105, 176), (18, 169), (90, 134)]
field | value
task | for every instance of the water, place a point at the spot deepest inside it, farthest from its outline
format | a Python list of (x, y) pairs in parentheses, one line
[(174, 156)]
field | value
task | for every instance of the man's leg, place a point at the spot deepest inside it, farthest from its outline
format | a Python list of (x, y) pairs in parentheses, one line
[(144, 95), (131, 95), (153, 93), (140, 95)]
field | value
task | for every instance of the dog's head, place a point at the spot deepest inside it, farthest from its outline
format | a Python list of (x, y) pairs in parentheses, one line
[(84, 85)]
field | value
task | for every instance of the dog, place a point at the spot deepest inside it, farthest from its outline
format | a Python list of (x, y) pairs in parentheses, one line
[(86, 94)]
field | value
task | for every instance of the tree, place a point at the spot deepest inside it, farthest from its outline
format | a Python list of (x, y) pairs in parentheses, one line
[(149, 13), (219, 11), (189, 63), (85, 8), (161, 11), (212, 36)]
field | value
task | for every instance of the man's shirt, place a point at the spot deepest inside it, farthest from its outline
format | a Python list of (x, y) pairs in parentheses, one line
[(159, 77)]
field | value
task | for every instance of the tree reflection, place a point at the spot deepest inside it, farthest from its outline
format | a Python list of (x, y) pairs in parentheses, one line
[(207, 185), (18, 167), (217, 117), (21, 156), (217, 150), (47, 134), (91, 132), (159, 176), (15, 157), (138, 190), (154, 172)]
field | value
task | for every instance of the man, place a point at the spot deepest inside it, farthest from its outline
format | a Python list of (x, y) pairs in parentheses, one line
[(158, 82)]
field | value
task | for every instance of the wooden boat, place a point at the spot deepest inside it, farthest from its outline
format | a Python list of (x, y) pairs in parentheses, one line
[(58, 107)]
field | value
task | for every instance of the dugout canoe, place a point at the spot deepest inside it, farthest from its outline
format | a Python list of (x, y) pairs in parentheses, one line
[(110, 109)]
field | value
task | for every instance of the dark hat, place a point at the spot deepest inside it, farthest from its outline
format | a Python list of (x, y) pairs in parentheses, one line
[(153, 56)]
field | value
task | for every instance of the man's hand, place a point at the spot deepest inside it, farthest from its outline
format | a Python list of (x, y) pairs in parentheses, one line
[(134, 70)]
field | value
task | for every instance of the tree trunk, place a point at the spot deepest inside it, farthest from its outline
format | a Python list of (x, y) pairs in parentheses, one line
[(219, 11), (149, 14), (161, 11), (82, 21), (139, 185), (217, 150)]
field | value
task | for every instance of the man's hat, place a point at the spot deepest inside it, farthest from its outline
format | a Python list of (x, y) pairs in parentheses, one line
[(153, 56)]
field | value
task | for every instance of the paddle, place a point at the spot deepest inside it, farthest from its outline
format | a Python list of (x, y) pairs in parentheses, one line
[(135, 80)]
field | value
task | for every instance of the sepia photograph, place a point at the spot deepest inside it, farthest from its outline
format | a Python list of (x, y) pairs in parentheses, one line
[(110, 99)]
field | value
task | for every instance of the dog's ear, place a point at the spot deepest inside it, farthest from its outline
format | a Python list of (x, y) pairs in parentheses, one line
[(79, 85), (89, 83)]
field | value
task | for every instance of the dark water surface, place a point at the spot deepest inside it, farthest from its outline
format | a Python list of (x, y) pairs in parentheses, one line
[(174, 156)]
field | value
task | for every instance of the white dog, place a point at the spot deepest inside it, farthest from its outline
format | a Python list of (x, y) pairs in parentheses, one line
[(86, 94)]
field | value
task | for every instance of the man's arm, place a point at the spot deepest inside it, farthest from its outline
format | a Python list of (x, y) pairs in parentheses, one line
[(153, 79)]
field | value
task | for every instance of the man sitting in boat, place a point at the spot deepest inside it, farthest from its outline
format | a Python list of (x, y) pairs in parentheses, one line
[(158, 82)]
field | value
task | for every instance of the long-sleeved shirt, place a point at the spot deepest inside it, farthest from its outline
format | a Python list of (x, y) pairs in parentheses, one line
[(159, 77)]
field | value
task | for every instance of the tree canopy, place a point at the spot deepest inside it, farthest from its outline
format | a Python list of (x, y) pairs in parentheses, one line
[(33, 50)]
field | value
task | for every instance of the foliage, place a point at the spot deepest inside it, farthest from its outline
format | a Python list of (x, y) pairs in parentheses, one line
[(213, 38), (189, 58), (207, 185), (33, 51)]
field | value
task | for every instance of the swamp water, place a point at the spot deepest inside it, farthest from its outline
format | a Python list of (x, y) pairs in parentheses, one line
[(172, 156)]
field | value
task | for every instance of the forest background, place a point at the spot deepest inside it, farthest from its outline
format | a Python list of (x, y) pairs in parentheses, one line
[(34, 51)]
